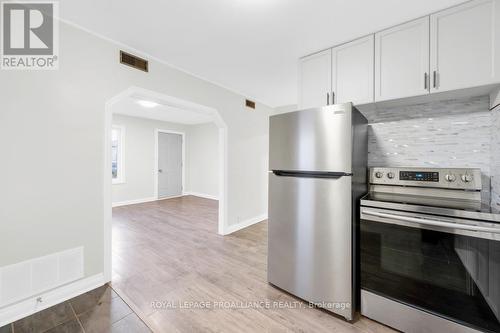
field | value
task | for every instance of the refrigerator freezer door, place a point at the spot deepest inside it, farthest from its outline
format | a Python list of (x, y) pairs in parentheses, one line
[(310, 239), (312, 140)]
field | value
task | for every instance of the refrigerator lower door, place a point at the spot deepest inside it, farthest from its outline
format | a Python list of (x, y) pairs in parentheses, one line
[(310, 240)]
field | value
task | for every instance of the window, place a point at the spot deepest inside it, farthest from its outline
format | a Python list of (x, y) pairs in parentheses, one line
[(117, 142)]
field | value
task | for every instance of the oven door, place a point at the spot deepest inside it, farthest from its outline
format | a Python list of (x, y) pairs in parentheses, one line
[(444, 266)]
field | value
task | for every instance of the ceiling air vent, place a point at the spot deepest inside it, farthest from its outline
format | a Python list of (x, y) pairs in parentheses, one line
[(250, 104), (133, 61)]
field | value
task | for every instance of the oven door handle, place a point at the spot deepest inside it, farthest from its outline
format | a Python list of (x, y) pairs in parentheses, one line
[(435, 223)]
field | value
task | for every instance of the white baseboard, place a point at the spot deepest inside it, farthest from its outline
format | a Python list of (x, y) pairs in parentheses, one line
[(171, 197), (133, 202), (144, 200), (50, 298), (202, 195), (244, 224)]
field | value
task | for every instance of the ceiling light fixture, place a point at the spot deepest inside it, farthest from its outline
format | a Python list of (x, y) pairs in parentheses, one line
[(147, 104)]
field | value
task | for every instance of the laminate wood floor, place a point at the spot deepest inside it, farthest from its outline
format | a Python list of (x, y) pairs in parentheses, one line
[(179, 275)]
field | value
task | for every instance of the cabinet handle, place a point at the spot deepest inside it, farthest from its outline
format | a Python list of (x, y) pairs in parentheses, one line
[(327, 98), (434, 78), (333, 97), (425, 81)]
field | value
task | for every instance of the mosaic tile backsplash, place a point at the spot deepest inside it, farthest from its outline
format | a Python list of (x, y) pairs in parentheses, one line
[(454, 133), (495, 160)]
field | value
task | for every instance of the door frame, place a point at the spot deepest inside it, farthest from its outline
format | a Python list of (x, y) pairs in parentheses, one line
[(223, 228), (157, 154)]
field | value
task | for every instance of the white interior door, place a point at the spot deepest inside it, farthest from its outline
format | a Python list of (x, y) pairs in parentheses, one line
[(169, 165), (352, 71), (315, 80), (463, 45), (402, 60)]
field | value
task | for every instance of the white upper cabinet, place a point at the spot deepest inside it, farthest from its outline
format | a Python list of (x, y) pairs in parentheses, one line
[(456, 48), (315, 80), (402, 60), (352, 71), (465, 46)]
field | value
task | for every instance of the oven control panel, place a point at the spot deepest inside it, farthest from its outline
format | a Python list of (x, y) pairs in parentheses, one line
[(453, 178), (419, 176)]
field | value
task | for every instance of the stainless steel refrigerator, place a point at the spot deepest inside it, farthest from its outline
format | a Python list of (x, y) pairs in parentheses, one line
[(318, 169)]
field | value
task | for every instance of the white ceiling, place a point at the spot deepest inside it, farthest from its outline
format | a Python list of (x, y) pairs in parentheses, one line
[(248, 46), (128, 106)]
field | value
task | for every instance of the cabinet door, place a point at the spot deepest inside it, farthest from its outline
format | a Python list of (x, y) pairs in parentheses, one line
[(315, 80), (402, 60), (463, 45), (352, 71)]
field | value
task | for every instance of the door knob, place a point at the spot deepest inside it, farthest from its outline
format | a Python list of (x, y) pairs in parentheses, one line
[(160, 170)]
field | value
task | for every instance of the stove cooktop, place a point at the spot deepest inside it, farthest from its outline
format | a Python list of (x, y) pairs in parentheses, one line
[(452, 192), (433, 205)]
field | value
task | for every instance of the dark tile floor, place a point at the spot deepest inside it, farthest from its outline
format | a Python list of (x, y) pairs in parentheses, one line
[(98, 311)]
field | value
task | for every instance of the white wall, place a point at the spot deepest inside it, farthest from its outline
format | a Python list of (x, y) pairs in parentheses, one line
[(285, 109), (139, 153), (52, 144), (202, 159)]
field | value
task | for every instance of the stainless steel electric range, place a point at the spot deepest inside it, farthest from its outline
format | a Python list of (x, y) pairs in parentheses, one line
[(430, 251)]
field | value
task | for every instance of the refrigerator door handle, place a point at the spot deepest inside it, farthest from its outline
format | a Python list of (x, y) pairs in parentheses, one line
[(311, 174)]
